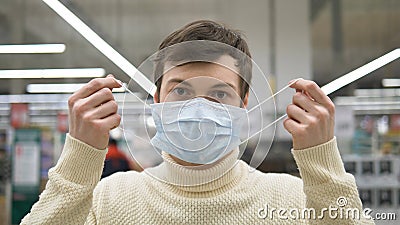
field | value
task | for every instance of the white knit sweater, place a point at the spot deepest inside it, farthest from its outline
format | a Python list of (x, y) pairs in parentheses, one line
[(235, 195)]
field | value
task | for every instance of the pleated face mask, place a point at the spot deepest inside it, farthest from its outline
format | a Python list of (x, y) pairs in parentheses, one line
[(197, 130)]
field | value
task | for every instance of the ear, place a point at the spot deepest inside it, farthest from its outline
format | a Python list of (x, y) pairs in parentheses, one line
[(156, 97), (246, 100)]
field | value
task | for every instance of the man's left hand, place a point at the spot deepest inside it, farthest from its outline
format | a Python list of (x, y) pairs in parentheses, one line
[(311, 116)]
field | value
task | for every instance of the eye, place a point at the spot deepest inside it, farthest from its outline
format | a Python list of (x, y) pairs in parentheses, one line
[(180, 91), (219, 94)]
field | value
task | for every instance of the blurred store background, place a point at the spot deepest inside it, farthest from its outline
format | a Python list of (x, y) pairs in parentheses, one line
[(315, 39)]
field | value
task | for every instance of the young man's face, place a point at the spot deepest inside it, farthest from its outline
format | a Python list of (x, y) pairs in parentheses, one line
[(217, 82)]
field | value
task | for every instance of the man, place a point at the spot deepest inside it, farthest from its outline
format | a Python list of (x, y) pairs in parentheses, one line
[(211, 187)]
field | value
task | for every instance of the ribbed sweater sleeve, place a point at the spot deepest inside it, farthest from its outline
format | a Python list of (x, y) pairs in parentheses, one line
[(67, 198), (326, 184)]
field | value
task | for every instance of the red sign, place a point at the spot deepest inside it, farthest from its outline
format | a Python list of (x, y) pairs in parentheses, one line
[(19, 115), (395, 122), (62, 122)]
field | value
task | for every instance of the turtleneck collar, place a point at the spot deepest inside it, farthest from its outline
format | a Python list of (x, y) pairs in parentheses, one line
[(223, 173)]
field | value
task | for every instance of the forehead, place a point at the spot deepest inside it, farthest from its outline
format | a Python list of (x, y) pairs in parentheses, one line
[(223, 69)]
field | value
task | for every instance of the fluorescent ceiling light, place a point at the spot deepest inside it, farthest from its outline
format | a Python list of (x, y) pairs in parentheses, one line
[(361, 71), (386, 92), (53, 73), (102, 46), (371, 103), (59, 88), (355, 101), (32, 48), (53, 88), (391, 82)]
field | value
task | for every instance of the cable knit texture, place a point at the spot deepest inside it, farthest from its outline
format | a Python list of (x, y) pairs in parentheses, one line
[(227, 192)]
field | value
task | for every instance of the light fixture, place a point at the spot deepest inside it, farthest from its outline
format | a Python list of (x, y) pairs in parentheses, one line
[(32, 48), (391, 82), (361, 71), (59, 88), (377, 93), (53, 88), (102, 46), (53, 73)]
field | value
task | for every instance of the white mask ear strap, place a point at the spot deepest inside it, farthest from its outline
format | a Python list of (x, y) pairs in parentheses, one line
[(273, 96), (125, 87), (262, 102), (264, 128)]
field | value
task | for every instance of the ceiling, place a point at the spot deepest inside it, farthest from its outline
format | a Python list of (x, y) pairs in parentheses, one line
[(345, 34)]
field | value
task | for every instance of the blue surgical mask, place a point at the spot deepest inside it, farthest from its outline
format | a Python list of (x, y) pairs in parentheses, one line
[(197, 130)]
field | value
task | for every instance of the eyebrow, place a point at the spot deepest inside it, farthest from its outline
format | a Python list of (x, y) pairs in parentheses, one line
[(224, 85), (180, 81), (184, 82)]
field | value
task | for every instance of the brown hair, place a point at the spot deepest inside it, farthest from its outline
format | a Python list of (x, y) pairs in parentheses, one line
[(208, 31)]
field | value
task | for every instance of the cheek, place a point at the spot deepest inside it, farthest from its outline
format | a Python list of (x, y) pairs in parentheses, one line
[(161, 94), (157, 97), (161, 97)]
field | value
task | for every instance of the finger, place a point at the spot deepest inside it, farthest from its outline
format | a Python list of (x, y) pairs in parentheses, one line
[(100, 97), (110, 122), (104, 110), (304, 102), (87, 104), (112, 76), (291, 125), (95, 85), (309, 96), (313, 89), (296, 113)]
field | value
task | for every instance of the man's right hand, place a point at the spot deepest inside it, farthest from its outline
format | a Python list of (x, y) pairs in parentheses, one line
[(93, 112)]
